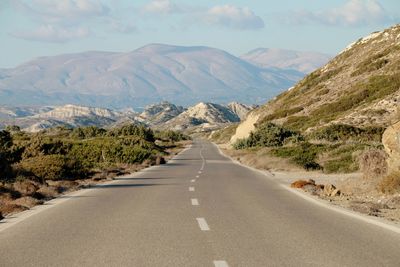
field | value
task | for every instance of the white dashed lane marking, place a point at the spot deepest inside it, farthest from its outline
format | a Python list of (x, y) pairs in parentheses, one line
[(221, 264), (197, 176), (193, 180), (195, 201), (191, 188), (203, 224)]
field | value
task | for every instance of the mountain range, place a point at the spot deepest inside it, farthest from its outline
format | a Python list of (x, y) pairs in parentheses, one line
[(153, 73), (304, 62), (202, 116)]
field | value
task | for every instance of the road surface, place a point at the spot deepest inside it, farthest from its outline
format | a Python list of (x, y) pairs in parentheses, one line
[(200, 209)]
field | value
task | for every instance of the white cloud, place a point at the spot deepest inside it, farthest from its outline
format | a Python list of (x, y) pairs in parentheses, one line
[(70, 8), (233, 17), (50, 33), (161, 7), (122, 27), (352, 13)]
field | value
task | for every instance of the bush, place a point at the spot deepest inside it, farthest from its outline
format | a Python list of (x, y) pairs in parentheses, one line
[(135, 130), (344, 132), (344, 164), (171, 136), (51, 167), (38, 146), (88, 132), (304, 154), (242, 143), (45, 167), (373, 163), (5, 141), (5, 154), (267, 135)]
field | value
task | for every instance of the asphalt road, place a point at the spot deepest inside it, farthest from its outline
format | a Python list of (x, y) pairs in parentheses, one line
[(200, 209)]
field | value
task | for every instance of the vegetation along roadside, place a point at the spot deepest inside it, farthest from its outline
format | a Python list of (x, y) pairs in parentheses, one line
[(36, 167)]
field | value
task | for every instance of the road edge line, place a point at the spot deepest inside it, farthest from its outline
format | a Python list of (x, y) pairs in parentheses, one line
[(367, 219), (16, 218)]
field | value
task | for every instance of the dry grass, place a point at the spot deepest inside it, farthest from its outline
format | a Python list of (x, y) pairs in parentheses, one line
[(9, 208), (373, 164), (26, 187), (390, 184), (27, 202), (48, 192), (260, 158)]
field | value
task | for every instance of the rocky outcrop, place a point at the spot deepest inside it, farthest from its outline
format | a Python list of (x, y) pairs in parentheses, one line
[(244, 129), (160, 113), (391, 142), (204, 115), (239, 109)]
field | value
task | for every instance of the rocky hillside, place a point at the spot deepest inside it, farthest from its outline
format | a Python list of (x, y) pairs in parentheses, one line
[(160, 113), (68, 115), (144, 76), (304, 62), (359, 87), (240, 109), (205, 116)]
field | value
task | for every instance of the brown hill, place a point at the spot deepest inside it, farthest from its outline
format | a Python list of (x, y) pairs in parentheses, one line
[(359, 87)]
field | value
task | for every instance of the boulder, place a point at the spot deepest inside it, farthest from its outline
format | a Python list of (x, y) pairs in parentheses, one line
[(335, 193), (391, 142), (329, 189), (302, 183)]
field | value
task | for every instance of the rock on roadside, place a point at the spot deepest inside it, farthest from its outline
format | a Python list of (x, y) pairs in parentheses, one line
[(391, 142)]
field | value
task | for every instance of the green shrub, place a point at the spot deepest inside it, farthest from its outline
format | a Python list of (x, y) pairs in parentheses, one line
[(134, 154), (88, 132), (344, 164), (303, 154), (267, 135), (51, 167), (242, 143), (170, 136), (6, 143), (135, 130), (344, 132), (38, 145)]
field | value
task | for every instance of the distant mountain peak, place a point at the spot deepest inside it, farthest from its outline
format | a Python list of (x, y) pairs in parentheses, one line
[(303, 61), (182, 75)]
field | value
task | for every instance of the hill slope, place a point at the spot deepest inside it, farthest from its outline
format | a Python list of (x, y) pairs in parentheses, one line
[(208, 115), (182, 75), (305, 62), (359, 87)]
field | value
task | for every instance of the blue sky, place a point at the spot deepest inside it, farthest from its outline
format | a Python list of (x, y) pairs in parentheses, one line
[(32, 28)]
